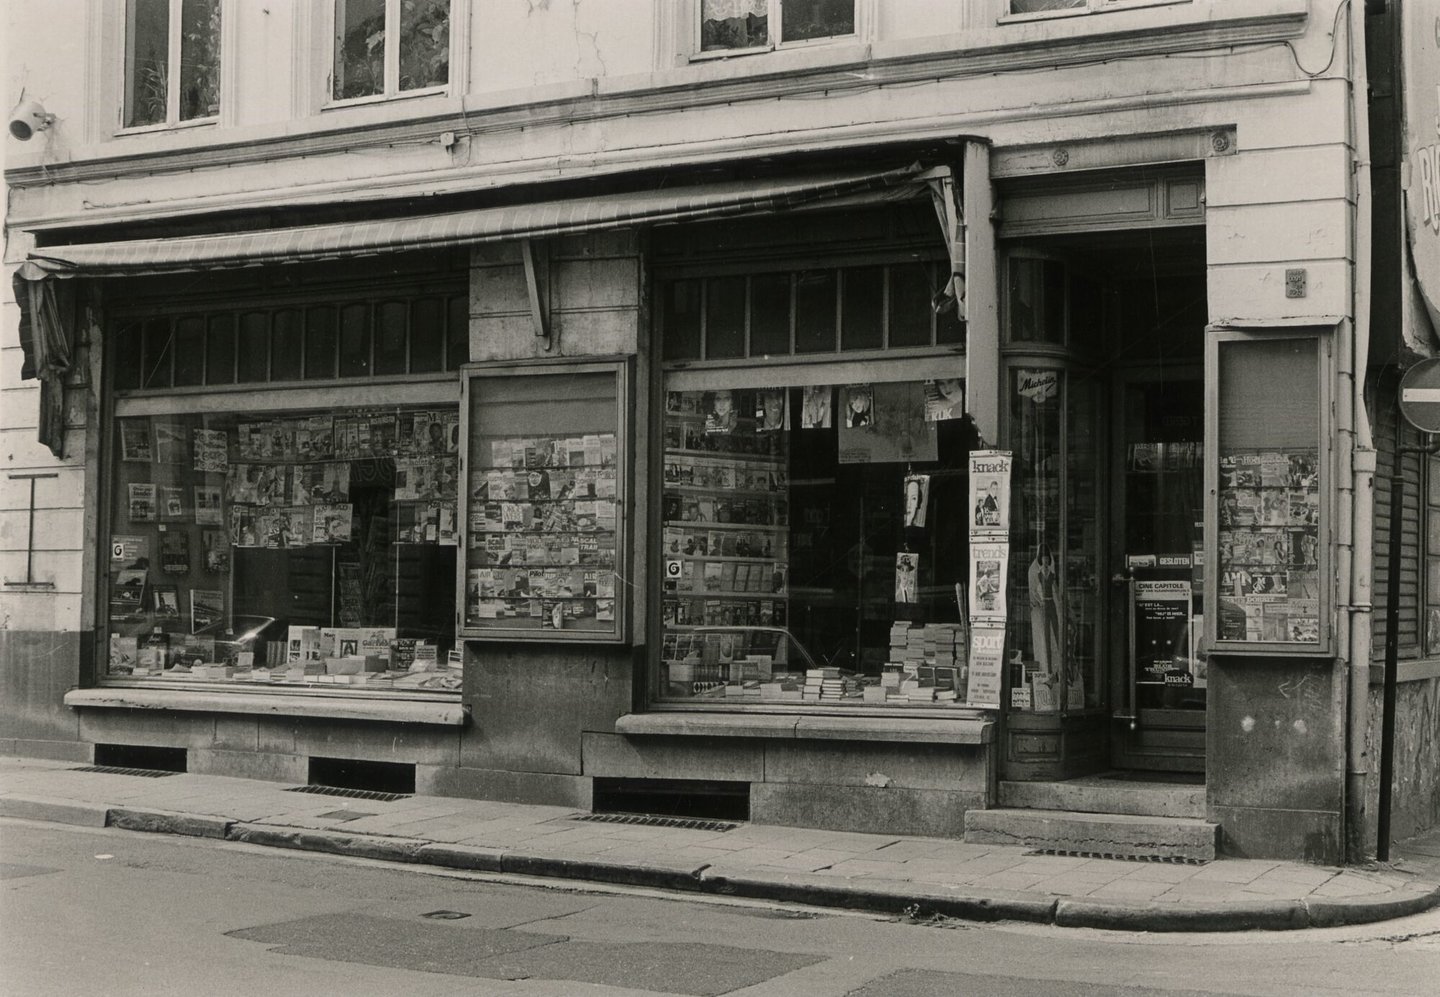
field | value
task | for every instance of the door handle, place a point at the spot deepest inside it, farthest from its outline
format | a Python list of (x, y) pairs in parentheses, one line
[(1121, 578)]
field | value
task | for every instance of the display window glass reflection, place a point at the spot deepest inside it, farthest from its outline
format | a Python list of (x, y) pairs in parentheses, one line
[(814, 542), (277, 548)]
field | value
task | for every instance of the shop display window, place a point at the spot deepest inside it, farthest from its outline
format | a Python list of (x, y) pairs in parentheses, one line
[(544, 502), (814, 537), (1270, 553), (286, 547)]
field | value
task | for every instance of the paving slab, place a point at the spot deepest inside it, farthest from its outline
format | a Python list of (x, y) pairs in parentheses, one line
[(907, 876)]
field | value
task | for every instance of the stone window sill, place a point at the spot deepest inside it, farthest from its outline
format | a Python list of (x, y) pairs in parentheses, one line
[(923, 730), (438, 713)]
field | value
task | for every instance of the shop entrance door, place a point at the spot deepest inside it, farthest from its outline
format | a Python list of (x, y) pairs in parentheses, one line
[(1157, 685)]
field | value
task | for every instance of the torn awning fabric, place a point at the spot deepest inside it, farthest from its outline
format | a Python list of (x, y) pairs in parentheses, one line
[(48, 330), (459, 228)]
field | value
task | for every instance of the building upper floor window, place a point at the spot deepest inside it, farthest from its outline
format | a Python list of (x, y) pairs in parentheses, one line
[(750, 25), (172, 61), (387, 47)]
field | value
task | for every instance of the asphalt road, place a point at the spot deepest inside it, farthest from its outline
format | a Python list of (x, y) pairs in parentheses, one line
[(106, 912)]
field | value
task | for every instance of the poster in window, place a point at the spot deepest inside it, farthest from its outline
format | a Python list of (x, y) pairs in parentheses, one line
[(944, 399), (171, 447), (917, 498), (217, 550), (990, 492), (889, 425), (211, 450), (126, 550), (333, 523), (987, 659), (772, 414), (721, 415), (172, 504), (858, 403), (1162, 628), (815, 406), (907, 578), (175, 552), (167, 603), (989, 574), (142, 502), (207, 606), (135, 441), (127, 593)]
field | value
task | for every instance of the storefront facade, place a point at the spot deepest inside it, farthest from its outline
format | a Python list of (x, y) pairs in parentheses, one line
[(643, 462)]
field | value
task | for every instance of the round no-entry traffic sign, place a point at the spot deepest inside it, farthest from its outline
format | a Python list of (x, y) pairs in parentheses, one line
[(1420, 395)]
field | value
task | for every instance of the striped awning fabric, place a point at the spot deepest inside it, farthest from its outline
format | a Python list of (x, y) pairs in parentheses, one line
[(458, 228)]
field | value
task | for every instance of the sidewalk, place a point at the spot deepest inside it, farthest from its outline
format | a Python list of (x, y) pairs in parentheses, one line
[(920, 877)]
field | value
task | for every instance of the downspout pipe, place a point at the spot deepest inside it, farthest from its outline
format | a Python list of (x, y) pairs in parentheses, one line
[(1361, 443)]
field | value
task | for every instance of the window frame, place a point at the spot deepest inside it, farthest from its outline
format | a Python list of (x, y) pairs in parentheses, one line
[(1086, 7), (391, 90), (174, 45), (777, 41)]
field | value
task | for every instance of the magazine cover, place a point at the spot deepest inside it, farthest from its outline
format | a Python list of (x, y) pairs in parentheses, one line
[(316, 483), (142, 502), (208, 508), (207, 606), (170, 443), (126, 550), (167, 602), (917, 498), (172, 503), (217, 550), (333, 523), (989, 576), (175, 552), (944, 399), (990, 492), (211, 452), (127, 593), (314, 437), (135, 440), (907, 578)]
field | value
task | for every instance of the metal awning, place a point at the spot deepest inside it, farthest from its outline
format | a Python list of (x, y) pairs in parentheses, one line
[(458, 228)]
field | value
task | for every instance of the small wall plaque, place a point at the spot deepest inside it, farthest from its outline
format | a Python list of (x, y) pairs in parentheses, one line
[(1295, 282)]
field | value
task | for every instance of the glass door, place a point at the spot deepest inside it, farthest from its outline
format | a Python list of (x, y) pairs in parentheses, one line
[(1158, 687)]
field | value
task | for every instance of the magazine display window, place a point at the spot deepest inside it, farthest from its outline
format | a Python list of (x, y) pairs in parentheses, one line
[(267, 544), (545, 495), (813, 536), (1268, 538)]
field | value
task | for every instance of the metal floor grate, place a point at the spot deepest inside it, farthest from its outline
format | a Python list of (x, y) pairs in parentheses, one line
[(121, 770), (350, 794), (1165, 859), (653, 820)]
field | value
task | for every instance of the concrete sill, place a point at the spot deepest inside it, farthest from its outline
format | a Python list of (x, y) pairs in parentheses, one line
[(922, 730), (446, 714)]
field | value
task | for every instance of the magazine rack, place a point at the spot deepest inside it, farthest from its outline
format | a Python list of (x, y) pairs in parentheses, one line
[(544, 503), (1269, 581)]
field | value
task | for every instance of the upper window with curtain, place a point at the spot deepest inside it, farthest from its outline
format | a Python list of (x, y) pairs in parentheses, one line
[(172, 61), (383, 48), (729, 27)]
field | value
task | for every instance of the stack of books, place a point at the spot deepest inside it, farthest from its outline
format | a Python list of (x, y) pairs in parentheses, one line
[(925, 663), (829, 683)]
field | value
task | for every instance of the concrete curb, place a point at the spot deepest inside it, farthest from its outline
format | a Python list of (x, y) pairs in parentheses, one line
[(54, 811), (1329, 913), (1279, 915), (891, 897), (168, 822)]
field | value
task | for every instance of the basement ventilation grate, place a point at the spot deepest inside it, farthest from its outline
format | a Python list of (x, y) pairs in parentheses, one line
[(121, 770), (350, 794), (652, 820), (1163, 859)]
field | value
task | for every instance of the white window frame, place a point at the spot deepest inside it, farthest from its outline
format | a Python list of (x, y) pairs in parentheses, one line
[(459, 11), (777, 41), (172, 88), (1088, 7)]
